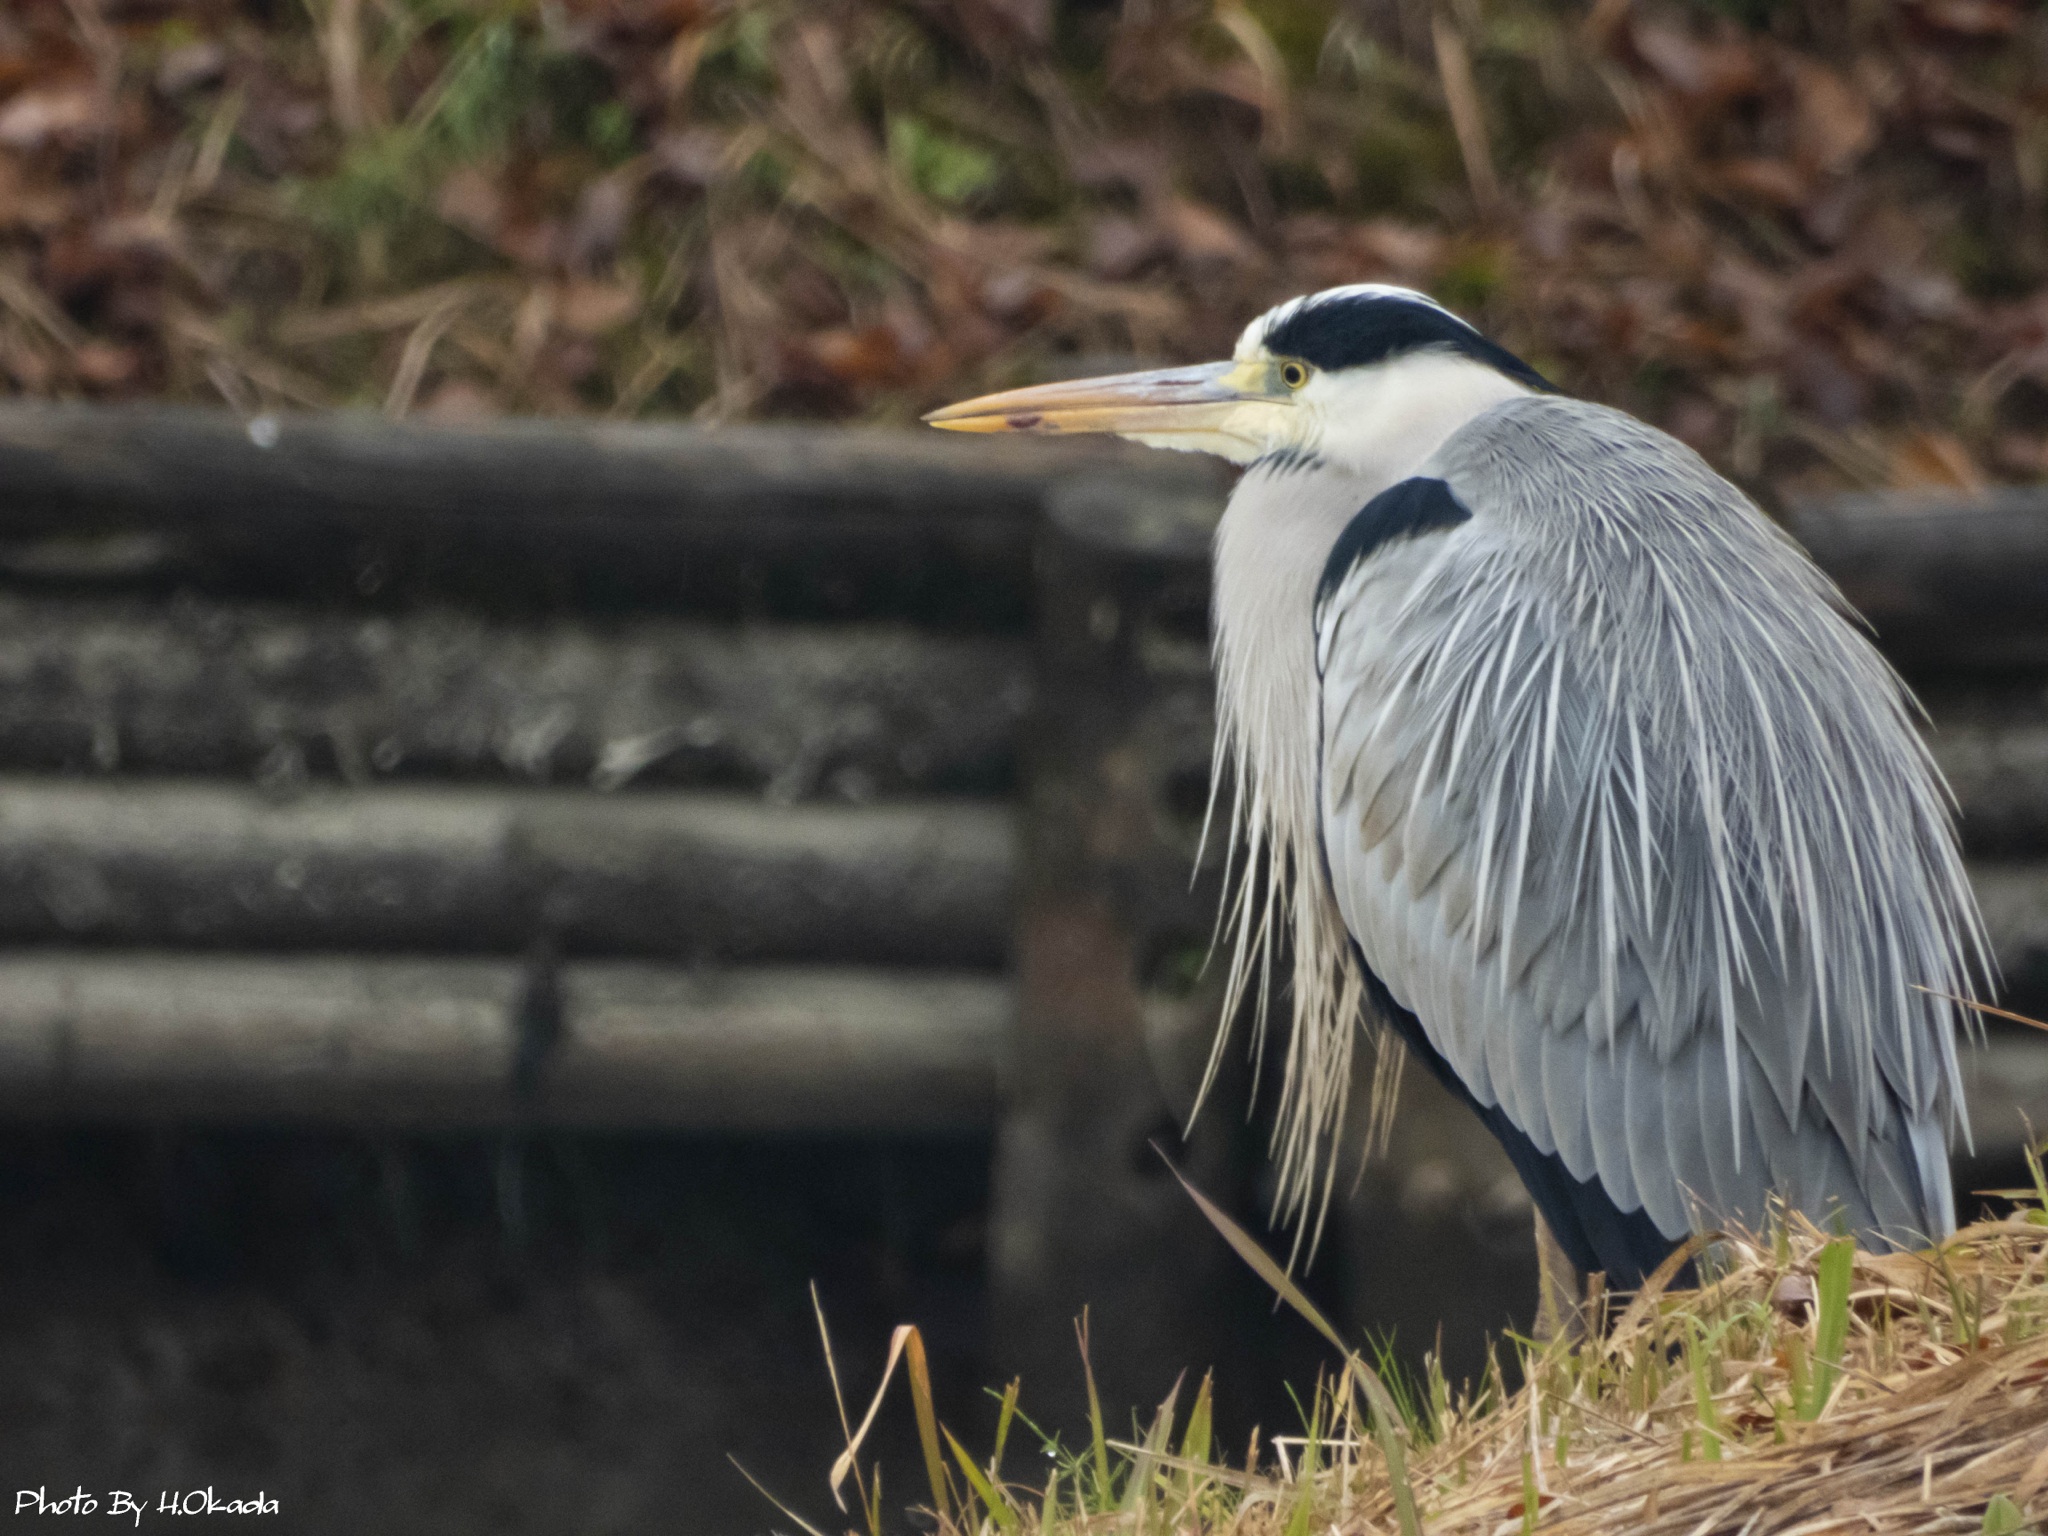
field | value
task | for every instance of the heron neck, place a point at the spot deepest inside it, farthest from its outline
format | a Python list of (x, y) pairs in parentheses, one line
[(1281, 522), (1271, 546), (1276, 534)]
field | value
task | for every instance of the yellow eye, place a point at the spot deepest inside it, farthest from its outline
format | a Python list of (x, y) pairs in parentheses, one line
[(1293, 374)]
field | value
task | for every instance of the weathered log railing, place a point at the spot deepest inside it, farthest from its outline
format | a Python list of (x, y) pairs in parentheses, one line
[(762, 780), (466, 869), (388, 1041), (534, 774), (743, 523), (204, 685)]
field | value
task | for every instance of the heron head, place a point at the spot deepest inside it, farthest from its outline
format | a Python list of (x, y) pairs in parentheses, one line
[(1332, 374)]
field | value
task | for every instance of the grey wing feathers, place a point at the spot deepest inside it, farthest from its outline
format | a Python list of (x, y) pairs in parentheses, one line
[(1620, 804)]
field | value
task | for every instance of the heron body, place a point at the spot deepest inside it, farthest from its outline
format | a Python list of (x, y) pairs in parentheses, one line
[(1574, 773)]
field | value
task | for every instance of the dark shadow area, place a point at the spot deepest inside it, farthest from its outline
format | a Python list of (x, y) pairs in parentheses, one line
[(550, 1333), (556, 1334)]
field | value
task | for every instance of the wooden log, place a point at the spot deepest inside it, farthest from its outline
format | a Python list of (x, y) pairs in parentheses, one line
[(437, 1042), (1992, 745), (796, 712), (697, 876), (2014, 899), (202, 687), (760, 520), (1950, 581), (731, 522)]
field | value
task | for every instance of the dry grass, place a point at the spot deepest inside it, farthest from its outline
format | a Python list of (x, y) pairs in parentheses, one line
[(1808, 1387)]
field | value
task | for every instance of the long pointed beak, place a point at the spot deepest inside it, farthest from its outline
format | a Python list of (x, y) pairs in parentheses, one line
[(1216, 407)]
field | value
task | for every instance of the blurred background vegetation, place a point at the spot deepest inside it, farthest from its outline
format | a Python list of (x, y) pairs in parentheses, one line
[(1806, 235)]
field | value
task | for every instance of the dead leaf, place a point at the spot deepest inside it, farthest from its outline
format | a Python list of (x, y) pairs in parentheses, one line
[(1711, 73), (473, 201), (1971, 18), (102, 363), (1409, 250), (1930, 458), (69, 113), (602, 213), (590, 308), (1793, 1293), (1777, 182), (1111, 165), (857, 355), (460, 400), (1017, 295), (1694, 421), (1834, 125), (25, 204), (691, 157), (1202, 234), (1120, 246), (190, 66)]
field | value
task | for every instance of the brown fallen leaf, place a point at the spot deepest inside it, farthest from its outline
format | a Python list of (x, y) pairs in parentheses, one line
[(691, 157), (189, 66), (460, 400), (1833, 124), (1710, 73), (585, 308), (1928, 458), (474, 201), (67, 113), (856, 355), (1777, 182), (1794, 1293), (104, 364), (602, 213), (1120, 247), (1971, 18), (1202, 234)]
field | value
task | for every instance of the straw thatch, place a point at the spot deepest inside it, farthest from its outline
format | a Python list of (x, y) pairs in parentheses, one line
[(1713, 1410), (1807, 1388)]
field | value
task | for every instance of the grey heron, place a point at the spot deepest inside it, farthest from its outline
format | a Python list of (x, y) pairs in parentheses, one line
[(1557, 758)]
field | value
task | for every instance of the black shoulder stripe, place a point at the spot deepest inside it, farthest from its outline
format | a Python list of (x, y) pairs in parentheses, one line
[(1401, 511)]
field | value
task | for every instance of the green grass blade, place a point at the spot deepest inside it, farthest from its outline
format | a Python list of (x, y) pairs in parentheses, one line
[(1196, 1438), (1004, 1416), (998, 1507), (1836, 1265), (1303, 1514), (1102, 1497), (1145, 1465), (1703, 1396), (2002, 1517)]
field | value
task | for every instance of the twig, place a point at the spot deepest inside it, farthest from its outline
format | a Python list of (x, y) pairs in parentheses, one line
[(1468, 117), (419, 351)]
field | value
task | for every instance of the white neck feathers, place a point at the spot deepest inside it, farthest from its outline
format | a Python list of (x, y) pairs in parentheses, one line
[(1369, 428)]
